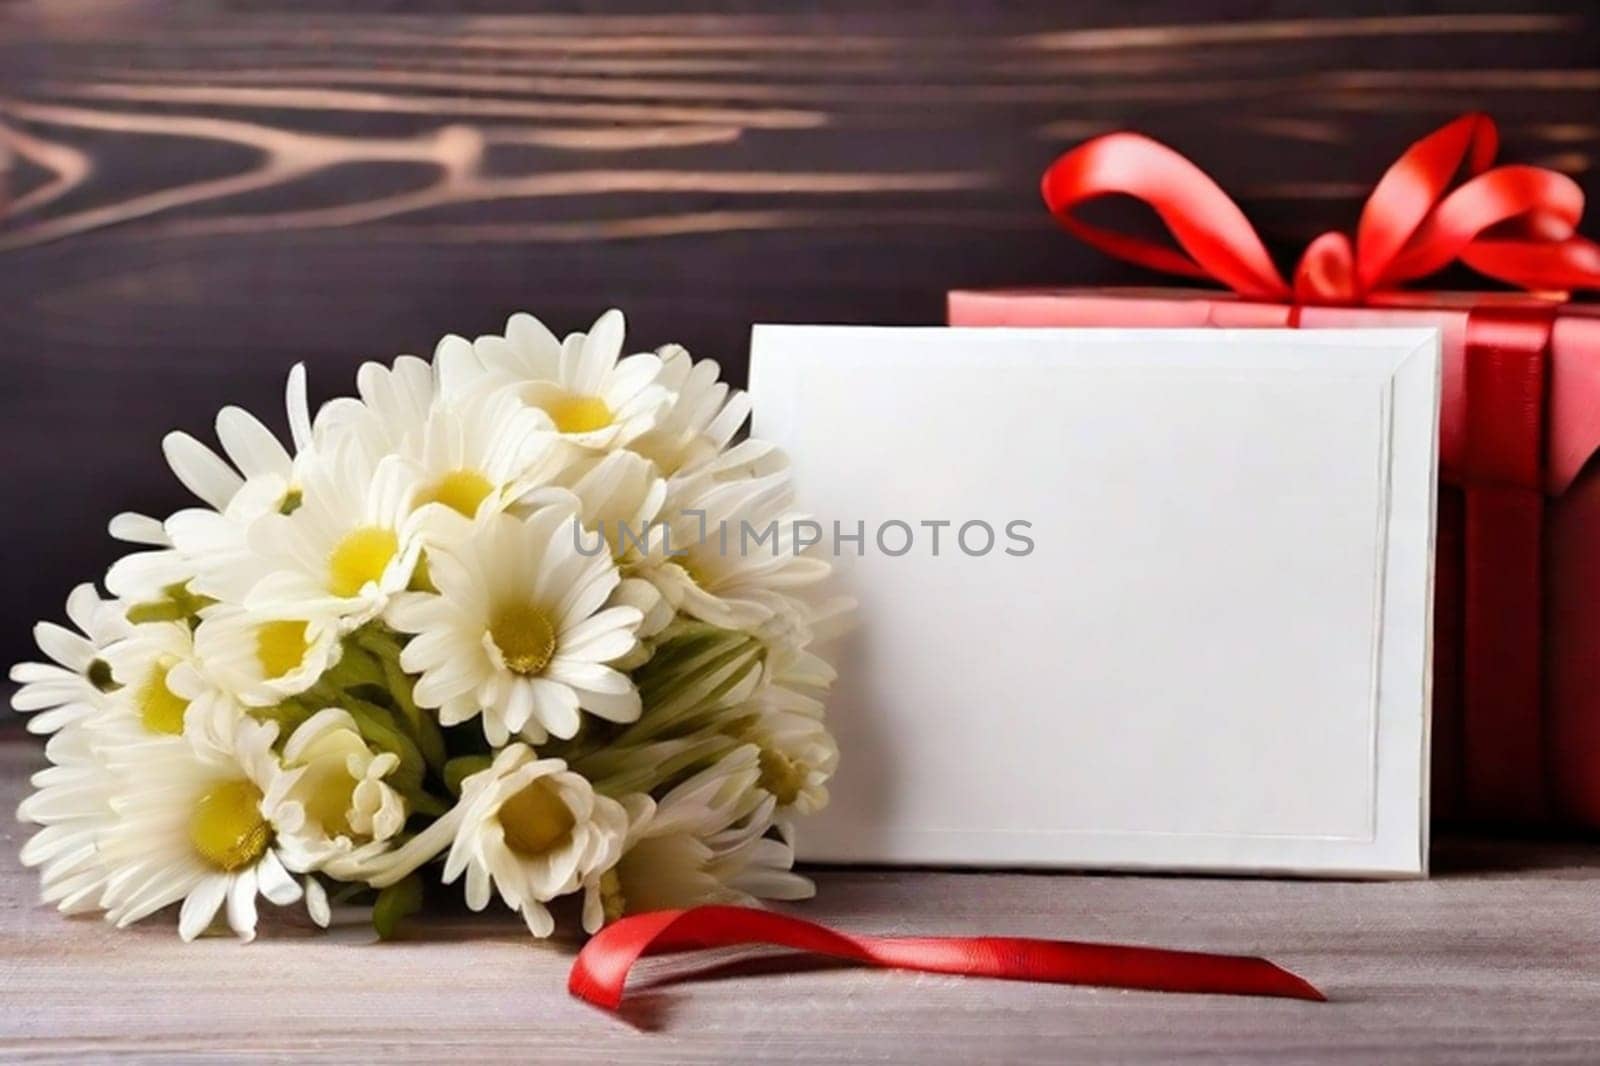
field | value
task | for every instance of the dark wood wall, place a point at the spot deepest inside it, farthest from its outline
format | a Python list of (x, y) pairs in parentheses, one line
[(194, 195)]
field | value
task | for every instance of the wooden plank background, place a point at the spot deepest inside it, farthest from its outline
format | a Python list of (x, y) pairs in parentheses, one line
[(194, 195)]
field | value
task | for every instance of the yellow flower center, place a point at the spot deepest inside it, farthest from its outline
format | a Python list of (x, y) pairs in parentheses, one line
[(460, 490), (328, 799), (362, 556), (536, 820), (525, 637), (227, 829), (159, 709), (281, 647), (781, 776), (579, 414)]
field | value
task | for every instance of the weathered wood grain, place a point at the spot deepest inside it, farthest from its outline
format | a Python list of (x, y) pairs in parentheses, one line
[(194, 195), (1495, 960)]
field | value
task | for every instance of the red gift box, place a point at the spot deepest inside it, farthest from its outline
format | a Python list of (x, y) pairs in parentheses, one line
[(1516, 712)]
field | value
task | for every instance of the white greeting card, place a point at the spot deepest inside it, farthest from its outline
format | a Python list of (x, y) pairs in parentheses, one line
[(1143, 599)]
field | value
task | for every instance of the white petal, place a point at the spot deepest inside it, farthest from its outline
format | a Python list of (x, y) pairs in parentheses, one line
[(200, 908), (63, 645), (317, 902), (418, 850), (201, 470), (138, 529), (251, 446), (242, 904), (438, 687), (556, 707), (519, 704), (456, 365), (612, 619), (588, 675), (478, 888), (294, 399), (537, 915), (602, 648), (594, 912), (632, 375), (614, 707), (276, 884)]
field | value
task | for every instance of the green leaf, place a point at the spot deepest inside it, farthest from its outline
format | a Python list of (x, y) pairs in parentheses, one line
[(426, 803), (462, 767), (682, 691), (384, 648), (648, 767), (177, 603), (400, 900), (354, 668), (289, 715), (424, 728), (378, 727)]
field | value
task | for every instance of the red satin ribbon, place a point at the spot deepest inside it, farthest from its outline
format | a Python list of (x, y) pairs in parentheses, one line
[(1514, 223), (1502, 729), (601, 969)]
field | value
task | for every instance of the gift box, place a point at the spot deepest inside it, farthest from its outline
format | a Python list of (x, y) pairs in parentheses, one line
[(1516, 708)]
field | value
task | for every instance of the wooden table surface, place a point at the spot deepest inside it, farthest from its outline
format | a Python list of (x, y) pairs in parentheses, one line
[(1497, 958)]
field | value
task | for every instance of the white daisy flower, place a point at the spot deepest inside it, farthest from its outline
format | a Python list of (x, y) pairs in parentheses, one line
[(695, 429), (617, 498), (72, 804), (704, 842), (593, 398), (351, 813), (147, 665), (393, 405), (261, 659), (351, 543), (77, 680), (731, 554), (252, 451), (526, 827), (540, 534), (518, 630), (395, 400), (198, 820), (483, 451), (81, 700), (200, 553), (255, 474), (798, 756), (146, 576)]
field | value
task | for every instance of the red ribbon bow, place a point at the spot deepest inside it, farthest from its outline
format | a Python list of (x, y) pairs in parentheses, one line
[(1514, 223), (601, 969)]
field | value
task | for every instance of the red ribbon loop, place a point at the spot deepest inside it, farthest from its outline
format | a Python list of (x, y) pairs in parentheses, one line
[(1514, 223), (601, 968), (1404, 196), (1216, 238)]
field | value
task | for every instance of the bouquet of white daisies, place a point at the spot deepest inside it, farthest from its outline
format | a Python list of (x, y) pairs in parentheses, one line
[(501, 619)]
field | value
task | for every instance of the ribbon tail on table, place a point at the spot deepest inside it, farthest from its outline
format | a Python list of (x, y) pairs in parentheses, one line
[(600, 971)]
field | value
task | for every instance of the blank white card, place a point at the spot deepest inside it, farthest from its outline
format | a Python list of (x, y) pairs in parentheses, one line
[(1141, 599)]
